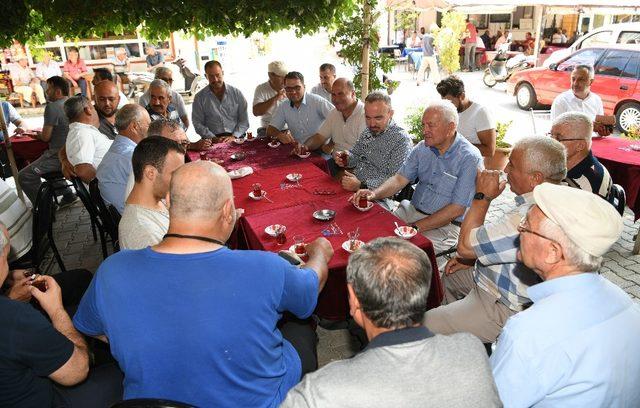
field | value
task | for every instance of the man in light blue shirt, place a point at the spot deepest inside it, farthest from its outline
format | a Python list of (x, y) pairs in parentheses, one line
[(132, 122), (577, 346), (444, 165), (303, 113), (219, 110)]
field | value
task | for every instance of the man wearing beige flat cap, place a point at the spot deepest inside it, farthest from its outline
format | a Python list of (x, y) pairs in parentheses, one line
[(269, 95), (578, 344)]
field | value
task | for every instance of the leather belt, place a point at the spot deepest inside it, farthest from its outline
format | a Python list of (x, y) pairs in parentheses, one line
[(454, 222)]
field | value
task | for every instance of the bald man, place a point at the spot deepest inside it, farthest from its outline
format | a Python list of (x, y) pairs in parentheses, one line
[(190, 308), (107, 100)]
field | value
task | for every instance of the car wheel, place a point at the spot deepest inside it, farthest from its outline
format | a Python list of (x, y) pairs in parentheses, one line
[(628, 116), (526, 96), (488, 79)]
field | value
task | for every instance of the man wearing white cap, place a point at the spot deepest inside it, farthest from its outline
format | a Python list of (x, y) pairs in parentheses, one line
[(578, 344), (269, 95)]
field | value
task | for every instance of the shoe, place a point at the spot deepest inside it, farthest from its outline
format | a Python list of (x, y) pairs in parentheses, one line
[(68, 201)]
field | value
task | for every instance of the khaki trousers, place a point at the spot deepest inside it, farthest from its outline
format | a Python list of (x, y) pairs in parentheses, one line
[(467, 308), (26, 92), (434, 72)]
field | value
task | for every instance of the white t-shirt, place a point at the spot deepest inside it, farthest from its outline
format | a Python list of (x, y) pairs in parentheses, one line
[(474, 119), (343, 133), (86, 145), (567, 102), (141, 227), (263, 93)]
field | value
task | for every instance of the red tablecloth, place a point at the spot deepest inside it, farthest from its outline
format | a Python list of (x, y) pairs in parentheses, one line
[(623, 165), (294, 207), (258, 155), (26, 149)]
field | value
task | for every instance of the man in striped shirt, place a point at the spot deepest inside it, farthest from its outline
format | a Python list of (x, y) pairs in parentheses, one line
[(17, 217), (574, 130)]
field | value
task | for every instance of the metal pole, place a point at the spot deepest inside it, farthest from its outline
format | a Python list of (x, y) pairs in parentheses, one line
[(9, 150), (365, 50)]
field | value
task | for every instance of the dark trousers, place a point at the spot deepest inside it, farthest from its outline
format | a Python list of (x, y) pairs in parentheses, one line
[(301, 333), (102, 388)]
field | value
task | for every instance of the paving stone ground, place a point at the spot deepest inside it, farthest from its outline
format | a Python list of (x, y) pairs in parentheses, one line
[(72, 234)]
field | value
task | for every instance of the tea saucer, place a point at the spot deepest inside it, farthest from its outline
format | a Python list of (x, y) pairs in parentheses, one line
[(367, 208), (241, 172), (253, 197), (304, 156), (273, 145), (346, 245), (294, 177), (405, 232), (271, 229), (238, 140), (635, 147)]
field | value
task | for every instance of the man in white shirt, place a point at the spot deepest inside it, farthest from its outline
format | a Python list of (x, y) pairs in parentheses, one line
[(25, 81), (344, 124), (475, 123), (47, 68), (145, 218), (327, 76), (86, 145), (268, 95), (580, 98)]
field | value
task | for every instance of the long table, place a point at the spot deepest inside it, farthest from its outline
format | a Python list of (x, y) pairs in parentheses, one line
[(624, 167), (292, 204), (26, 149)]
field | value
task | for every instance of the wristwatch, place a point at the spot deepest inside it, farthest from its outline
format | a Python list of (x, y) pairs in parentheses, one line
[(415, 226), (481, 196)]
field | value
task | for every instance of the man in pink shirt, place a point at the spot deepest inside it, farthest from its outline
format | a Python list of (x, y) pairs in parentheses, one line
[(470, 47), (74, 70)]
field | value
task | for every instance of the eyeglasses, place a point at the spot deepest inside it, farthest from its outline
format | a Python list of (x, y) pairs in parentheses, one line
[(523, 226), (292, 88), (167, 80), (556, 136)]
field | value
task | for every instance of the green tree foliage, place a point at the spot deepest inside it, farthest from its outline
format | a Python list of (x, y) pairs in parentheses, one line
[(406, 20), (349, 37), (27, 20), (448, 39)]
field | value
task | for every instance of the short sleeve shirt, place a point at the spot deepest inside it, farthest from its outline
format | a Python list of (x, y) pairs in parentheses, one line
[(54, 116), (86, 144), (155, 59), (31, 349), (263, 93), (219, 309), (177, 102), (474, 119), (141, 227), (344, 133), (567, 101), (75, 70)]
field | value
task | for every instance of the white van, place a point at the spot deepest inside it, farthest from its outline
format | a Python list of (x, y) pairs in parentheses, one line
[(623, 33)]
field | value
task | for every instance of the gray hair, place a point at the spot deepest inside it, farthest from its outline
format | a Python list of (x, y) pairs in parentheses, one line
[(446, 108), (378, 96), (204, 202), (131, 112), (544, 155), (74, 106), (157, 126), (159, 83), (4, 238), (588, 68), (162, 70), (391, 279), (580, 124), (576, 256)]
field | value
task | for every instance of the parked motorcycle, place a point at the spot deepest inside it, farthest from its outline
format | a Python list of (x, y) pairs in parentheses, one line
[(192, 82), (502, 67), (138, 81)]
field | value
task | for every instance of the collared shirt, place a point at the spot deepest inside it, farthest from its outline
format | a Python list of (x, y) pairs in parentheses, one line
[(75, 70), (155, 59), (444, 179), (11, 115), (211, 116), (21, 76), (172, 115), (107, 128), (17, 217), (577, 346), (48, 71), (85, 144), (114, 171), (320, 91), (305, 120), (497, 270), (176, 101), (344, 133), (263, 93), (567, 101), (388, 373), (375, 158), (590, 175)]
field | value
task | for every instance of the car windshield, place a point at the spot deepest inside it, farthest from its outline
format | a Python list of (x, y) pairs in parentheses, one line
[(583, 57)]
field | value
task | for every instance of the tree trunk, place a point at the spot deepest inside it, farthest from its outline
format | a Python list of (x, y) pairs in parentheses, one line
[(365, 50)]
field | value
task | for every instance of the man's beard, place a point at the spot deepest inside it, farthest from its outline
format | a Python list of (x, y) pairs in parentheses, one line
[(105, 115)]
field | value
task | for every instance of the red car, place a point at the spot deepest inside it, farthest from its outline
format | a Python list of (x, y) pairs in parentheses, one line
[(617, 82)]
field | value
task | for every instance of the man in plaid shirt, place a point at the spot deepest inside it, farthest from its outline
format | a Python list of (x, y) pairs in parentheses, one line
[(479, 300)]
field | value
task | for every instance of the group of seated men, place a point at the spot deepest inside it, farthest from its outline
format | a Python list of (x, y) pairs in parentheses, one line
[(189, 319)]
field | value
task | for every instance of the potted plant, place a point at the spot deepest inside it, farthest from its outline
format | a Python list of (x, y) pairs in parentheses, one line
[(503, 149), (413, 120), (633, 133)]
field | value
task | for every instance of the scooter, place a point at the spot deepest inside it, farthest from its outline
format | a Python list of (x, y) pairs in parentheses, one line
[(138, 81), (192, 82), (502, 67)]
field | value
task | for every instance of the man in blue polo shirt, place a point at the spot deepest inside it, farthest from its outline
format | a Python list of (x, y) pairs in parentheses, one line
[(303, 113), (132, 122), (193, 321), (445, 165)]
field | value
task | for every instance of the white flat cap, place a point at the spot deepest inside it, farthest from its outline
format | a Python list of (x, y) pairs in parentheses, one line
[(587, 219), (278, 68)]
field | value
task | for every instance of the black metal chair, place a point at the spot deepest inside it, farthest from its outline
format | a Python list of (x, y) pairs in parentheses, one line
[(618, 198), (150, 403), (93, 211), (109, 216), (42, 230)]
